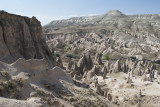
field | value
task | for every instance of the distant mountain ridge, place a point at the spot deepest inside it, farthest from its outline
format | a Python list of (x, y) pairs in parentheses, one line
[(113, 15), (113, 33)]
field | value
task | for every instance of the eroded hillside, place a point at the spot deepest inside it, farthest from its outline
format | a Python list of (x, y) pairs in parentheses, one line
[(113, 33), (30, 75), (125, 49)]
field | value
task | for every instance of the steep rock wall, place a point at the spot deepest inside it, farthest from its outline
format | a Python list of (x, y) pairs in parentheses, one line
[(21, 37)]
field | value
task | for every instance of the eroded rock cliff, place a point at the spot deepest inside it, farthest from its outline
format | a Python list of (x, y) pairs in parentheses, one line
[(21, 37)]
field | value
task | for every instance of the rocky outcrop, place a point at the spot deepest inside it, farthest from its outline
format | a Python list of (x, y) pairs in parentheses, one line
[(98, 59), (117, 67), (34, 71), (75, 70), (91, 73), (104, 72), (82, 63), (113, 33), (85, 63), (89, 64), (59, 62), (22, 37), (129, 43), (99, 90), (70, 64), (129, 79)]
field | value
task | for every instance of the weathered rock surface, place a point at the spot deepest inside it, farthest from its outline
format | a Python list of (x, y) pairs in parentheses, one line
[(85, 63), (117, 67), (22, 37), (82, 63), (34, 73), (89, 63), (91, 73), (70, 64), (28, 72), (75, 70), (98, 59), (113, 33), (32, 102), (59, 62)]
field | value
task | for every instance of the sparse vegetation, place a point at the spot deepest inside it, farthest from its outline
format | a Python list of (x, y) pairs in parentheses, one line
[(72, 56), (57, 54), (10, 85), (69, 55), (19, 81), (123, 61), (76, 56), (106, 57), (157, 67)]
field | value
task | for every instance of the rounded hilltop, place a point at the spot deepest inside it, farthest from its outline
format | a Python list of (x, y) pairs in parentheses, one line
[(114, 13)]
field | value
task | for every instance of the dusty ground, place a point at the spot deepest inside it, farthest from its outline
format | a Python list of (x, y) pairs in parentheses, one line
[(128, 93), (124, 94)]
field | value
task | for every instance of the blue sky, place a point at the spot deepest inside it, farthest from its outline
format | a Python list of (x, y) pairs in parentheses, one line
[(47, 10)]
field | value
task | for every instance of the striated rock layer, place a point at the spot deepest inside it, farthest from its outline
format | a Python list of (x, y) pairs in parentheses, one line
[(21, 37)]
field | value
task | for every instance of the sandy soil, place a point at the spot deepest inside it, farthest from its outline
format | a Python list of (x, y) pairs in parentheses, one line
[(130, 91)]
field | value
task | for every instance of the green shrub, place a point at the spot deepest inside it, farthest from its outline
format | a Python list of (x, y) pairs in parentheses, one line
[(122, 61), (157, 67), (76, 56), (73, 56), (106, 57), (10, 85), (69, 55), (68, 48), (57, 55)]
